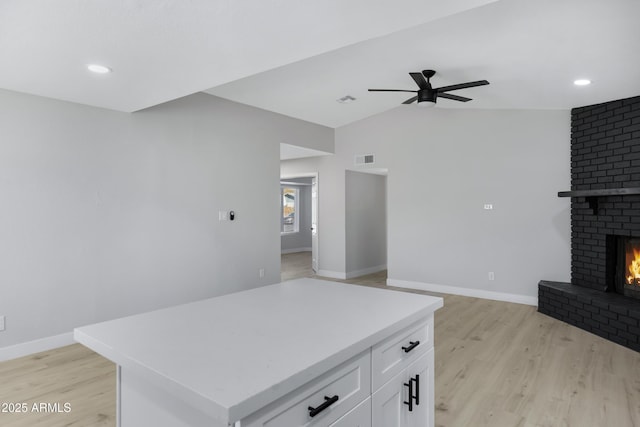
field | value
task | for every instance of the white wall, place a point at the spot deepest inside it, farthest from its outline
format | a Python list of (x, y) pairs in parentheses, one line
[(107, 214), (301, 240), (444, 165), (365, 223)]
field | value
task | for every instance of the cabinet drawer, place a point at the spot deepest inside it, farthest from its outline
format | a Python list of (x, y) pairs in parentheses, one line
[(388, 358), (360, 416), (350, 382)]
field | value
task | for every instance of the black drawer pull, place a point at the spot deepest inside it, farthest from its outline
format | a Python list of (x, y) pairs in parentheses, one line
[(410, 402), (328, 401), (413, 345)]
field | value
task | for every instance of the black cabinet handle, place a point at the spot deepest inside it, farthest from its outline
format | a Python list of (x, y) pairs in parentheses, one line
[(328, 401), (413, 345), (412, 396), (410, 402)]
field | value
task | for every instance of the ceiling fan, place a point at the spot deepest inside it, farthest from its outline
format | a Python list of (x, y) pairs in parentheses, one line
[(427, 95)]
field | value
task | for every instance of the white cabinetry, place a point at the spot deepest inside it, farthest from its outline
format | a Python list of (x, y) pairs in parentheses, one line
[(407, 399), (301, 353), (360, 416), (394, 354), (321, 401), (387, 404), (397, 373), (421, 372)]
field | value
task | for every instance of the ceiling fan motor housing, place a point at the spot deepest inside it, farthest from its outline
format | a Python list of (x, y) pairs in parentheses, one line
[(427, 95)]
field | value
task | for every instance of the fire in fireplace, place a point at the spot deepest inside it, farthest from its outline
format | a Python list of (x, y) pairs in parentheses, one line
[(631, 266), (632, 261)]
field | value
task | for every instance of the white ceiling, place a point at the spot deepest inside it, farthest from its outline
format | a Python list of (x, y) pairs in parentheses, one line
[(530, 51), (165, 49), (297, 57)]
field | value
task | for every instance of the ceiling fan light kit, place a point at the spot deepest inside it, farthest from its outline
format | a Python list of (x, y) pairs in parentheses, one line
[(426, 104), (427, 96)]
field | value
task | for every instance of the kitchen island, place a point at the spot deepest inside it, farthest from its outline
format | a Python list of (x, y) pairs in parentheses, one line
[(303, 352)]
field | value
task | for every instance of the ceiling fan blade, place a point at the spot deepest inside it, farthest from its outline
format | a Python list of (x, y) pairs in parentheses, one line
[(462, 86), (420, 81), (411, 100), (391, 90), (454, 97)]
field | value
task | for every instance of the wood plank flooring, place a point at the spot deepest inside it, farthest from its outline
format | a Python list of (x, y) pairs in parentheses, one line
[(497, 364), (503, 364), (73, 375)]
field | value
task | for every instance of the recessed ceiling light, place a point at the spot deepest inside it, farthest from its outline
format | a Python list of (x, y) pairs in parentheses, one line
[(99, 69), (582, 82), (346, 99)]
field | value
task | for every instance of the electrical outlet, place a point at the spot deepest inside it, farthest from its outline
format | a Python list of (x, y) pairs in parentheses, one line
[(261, 273), (1, 323), (492, 276), (488, 206)]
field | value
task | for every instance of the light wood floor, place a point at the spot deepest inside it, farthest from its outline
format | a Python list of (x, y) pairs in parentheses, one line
[(497, 364), (72, 374)]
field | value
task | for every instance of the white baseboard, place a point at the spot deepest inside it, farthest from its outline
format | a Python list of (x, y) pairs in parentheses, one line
[(332, 274), (35, 346), (477, 293), (295, 250), (370, 270)]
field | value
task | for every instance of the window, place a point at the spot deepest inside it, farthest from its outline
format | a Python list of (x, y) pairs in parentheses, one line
[(289, 221)]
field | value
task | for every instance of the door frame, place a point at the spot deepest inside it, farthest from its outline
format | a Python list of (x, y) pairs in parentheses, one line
[(316, 175)]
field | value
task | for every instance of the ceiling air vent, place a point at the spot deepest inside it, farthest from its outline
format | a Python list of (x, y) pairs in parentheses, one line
[(365, 159)]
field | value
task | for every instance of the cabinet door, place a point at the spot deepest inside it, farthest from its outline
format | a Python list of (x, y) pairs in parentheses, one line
[(360, 416), (423, 402), (389, 404)]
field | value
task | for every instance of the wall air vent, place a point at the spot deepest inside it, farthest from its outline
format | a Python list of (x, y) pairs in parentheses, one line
[(365, 159)]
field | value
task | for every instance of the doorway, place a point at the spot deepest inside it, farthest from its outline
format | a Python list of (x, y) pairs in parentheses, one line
[(365, 222), (299, 226)]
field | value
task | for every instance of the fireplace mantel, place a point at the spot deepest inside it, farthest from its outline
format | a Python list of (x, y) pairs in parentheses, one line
[(592, 195), (601, 192)]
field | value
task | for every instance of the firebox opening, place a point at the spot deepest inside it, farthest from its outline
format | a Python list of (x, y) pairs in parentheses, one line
[(627, 277), (632, 267), (632, 262)]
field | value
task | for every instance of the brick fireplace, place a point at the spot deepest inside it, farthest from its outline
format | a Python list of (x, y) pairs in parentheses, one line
[(605, 216)]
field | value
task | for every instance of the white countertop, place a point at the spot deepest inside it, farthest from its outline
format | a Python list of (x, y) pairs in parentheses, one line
[(231, 355)]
